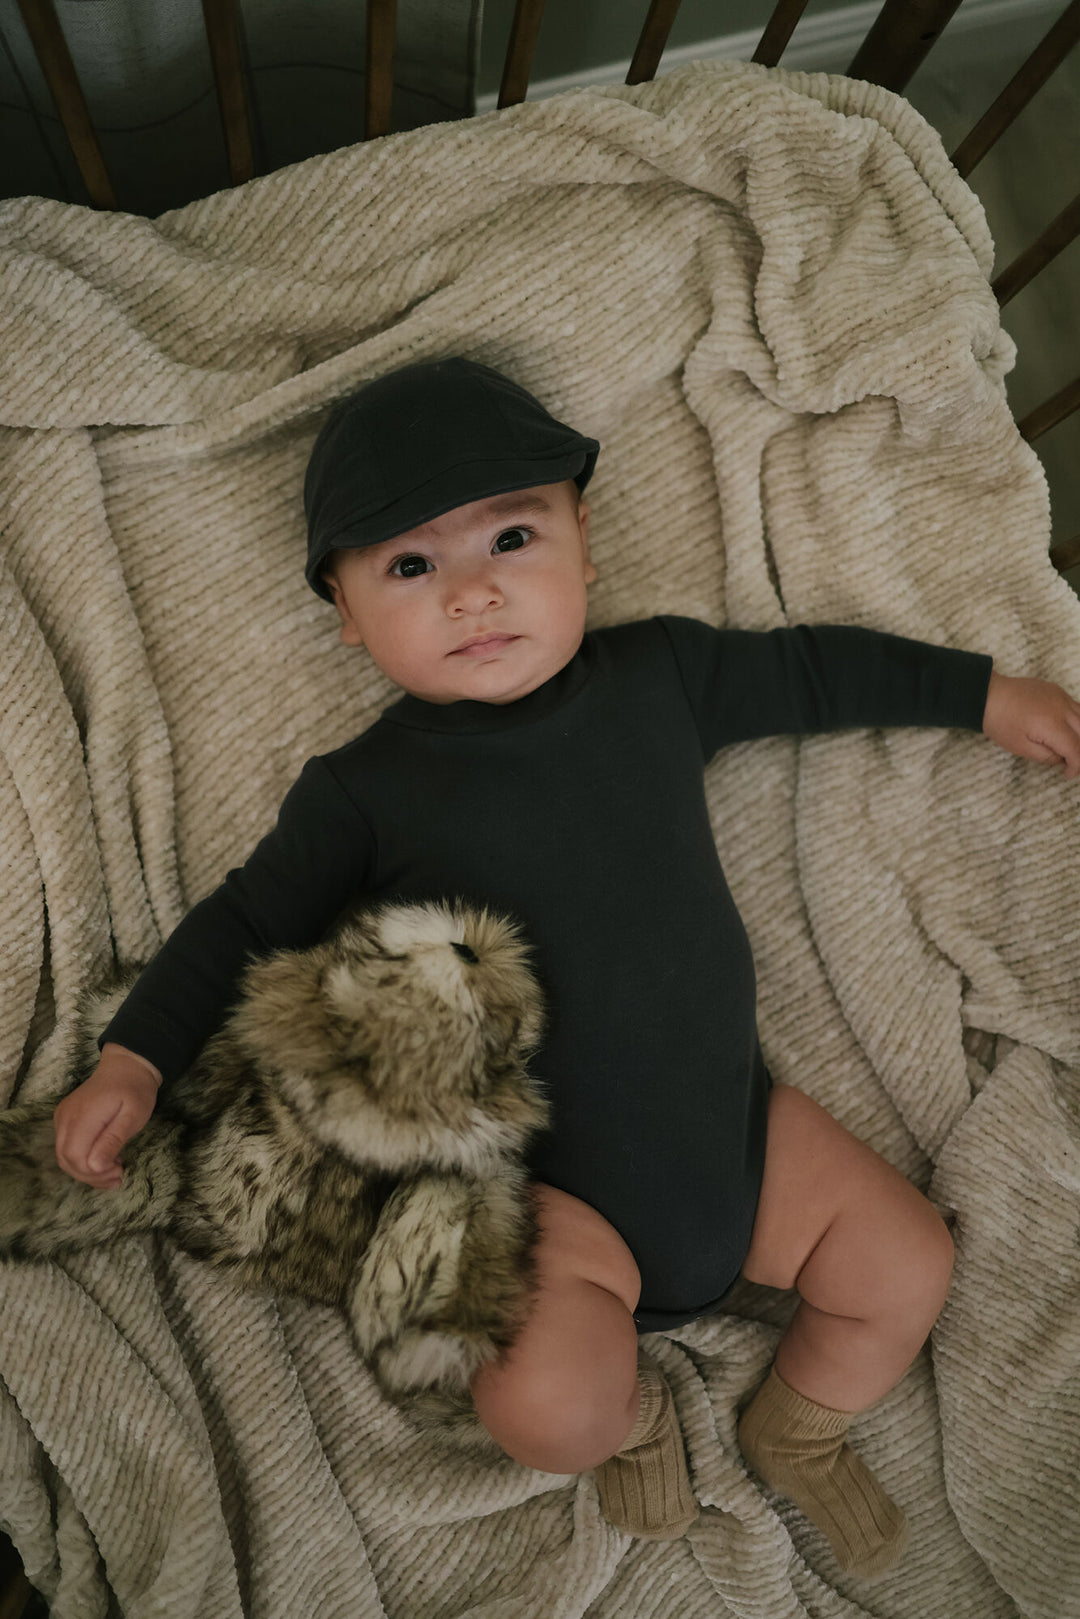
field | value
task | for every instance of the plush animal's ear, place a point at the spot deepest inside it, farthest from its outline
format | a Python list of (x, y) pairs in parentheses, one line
[(281, 1009), (531, 1024), (346, 991), (517, 1026), (286, 976), (511, 1031)]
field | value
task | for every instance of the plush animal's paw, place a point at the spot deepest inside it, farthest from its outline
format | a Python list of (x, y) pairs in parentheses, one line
[(445, 1414), (420, 1360), (410, 1271), (44, 1212)]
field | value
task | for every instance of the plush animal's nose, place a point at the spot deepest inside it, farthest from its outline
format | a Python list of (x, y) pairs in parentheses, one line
[(465, 952)]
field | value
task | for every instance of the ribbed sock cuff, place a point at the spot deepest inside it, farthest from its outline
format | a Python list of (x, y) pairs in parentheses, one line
[(651, 1384), (807, 1416)]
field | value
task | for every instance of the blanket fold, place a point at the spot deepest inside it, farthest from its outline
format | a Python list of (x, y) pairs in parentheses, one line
[(767, 295)]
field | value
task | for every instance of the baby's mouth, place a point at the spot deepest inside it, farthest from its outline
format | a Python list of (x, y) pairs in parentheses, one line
[(489, 644)]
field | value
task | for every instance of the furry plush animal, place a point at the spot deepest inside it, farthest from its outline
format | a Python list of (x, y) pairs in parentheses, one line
[(352, 1135)]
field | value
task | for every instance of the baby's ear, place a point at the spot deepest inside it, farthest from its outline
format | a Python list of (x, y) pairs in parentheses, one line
[(350, 630), (348, 634)]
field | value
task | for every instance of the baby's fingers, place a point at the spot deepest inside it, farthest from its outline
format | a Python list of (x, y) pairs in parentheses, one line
[(1034, 749), (1070, 741), (84, 1148), (1059, 748), (76, 1164)]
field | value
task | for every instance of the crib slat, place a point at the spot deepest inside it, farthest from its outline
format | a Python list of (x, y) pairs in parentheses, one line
[(1057, 235), (519, 52), (379, 67), (1051, 411), (902, 34), (778, 30), (1050, 52), (1066, 555), (651, 41), (222, 20), (58, 70)]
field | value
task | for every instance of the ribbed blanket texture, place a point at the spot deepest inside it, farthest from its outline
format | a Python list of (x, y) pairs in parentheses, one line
[(766, 293)]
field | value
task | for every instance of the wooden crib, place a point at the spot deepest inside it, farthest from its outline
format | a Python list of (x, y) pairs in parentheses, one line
[(901, 36)]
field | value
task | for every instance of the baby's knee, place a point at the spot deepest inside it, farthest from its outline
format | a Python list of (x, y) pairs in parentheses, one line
[(557, 1424), (922, 1279), (940, 1252), (563, 1397)]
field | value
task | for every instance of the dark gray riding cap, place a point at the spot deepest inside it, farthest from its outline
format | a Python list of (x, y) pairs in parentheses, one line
[(421, 440)]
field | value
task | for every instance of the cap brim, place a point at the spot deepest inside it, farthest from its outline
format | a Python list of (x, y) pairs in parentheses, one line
[(453, 487)]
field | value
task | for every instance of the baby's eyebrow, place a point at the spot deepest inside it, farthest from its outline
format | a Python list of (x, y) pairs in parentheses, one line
[(508, 505), (513, 502)]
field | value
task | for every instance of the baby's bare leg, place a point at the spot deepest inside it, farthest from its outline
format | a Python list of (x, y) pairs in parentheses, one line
[(869, 1255), (565, 1395), (570, 1394), (872, 1261)]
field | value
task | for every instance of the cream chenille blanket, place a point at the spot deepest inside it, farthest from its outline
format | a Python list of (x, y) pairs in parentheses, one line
[(766, 293)]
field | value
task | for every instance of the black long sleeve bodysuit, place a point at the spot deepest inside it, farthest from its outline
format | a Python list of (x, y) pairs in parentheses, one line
[(580, 810)]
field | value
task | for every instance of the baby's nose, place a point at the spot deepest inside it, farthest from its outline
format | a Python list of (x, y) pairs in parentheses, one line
[(473, 587)]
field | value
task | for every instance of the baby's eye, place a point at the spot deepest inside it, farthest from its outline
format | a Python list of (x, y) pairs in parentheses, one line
[(517, 537), (406, 562), (509, 533)]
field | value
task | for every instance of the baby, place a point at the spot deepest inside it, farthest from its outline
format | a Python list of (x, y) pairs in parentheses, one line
[(558, 774)]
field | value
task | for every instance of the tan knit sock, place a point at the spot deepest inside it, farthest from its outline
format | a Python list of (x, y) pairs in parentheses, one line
[(645, 1487), (798, 1448)]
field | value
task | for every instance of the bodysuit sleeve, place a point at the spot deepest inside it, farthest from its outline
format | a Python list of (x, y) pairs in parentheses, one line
[(286, 895), (743, 684)]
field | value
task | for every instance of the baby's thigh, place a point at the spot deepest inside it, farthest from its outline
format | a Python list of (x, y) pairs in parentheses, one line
[(821, 1179), (559, 1398), (575, 1240)]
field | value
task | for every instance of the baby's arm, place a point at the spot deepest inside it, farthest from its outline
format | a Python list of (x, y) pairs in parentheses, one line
[(104, 1112), (286, 896), (744, 684), (1034, 719)]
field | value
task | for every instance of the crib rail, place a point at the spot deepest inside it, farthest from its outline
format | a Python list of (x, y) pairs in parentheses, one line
[(58, 71), (517, 65), (1048, 54), (226, 55), (1051, 411), (902, 34), (1057, 235)]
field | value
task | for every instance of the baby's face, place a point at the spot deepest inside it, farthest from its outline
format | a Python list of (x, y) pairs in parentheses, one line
[(515, 566)]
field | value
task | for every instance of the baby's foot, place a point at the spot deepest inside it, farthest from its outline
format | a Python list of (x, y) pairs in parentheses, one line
[(798, 1448)]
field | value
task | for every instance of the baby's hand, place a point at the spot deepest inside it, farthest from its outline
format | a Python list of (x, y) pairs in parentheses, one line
[(1034, 719), (104, 1112)]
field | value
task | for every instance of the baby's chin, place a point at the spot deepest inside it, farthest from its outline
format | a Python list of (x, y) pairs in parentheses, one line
[(487, 692)]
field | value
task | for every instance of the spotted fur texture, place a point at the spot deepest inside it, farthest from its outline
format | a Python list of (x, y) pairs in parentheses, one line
[(353, 1135)]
